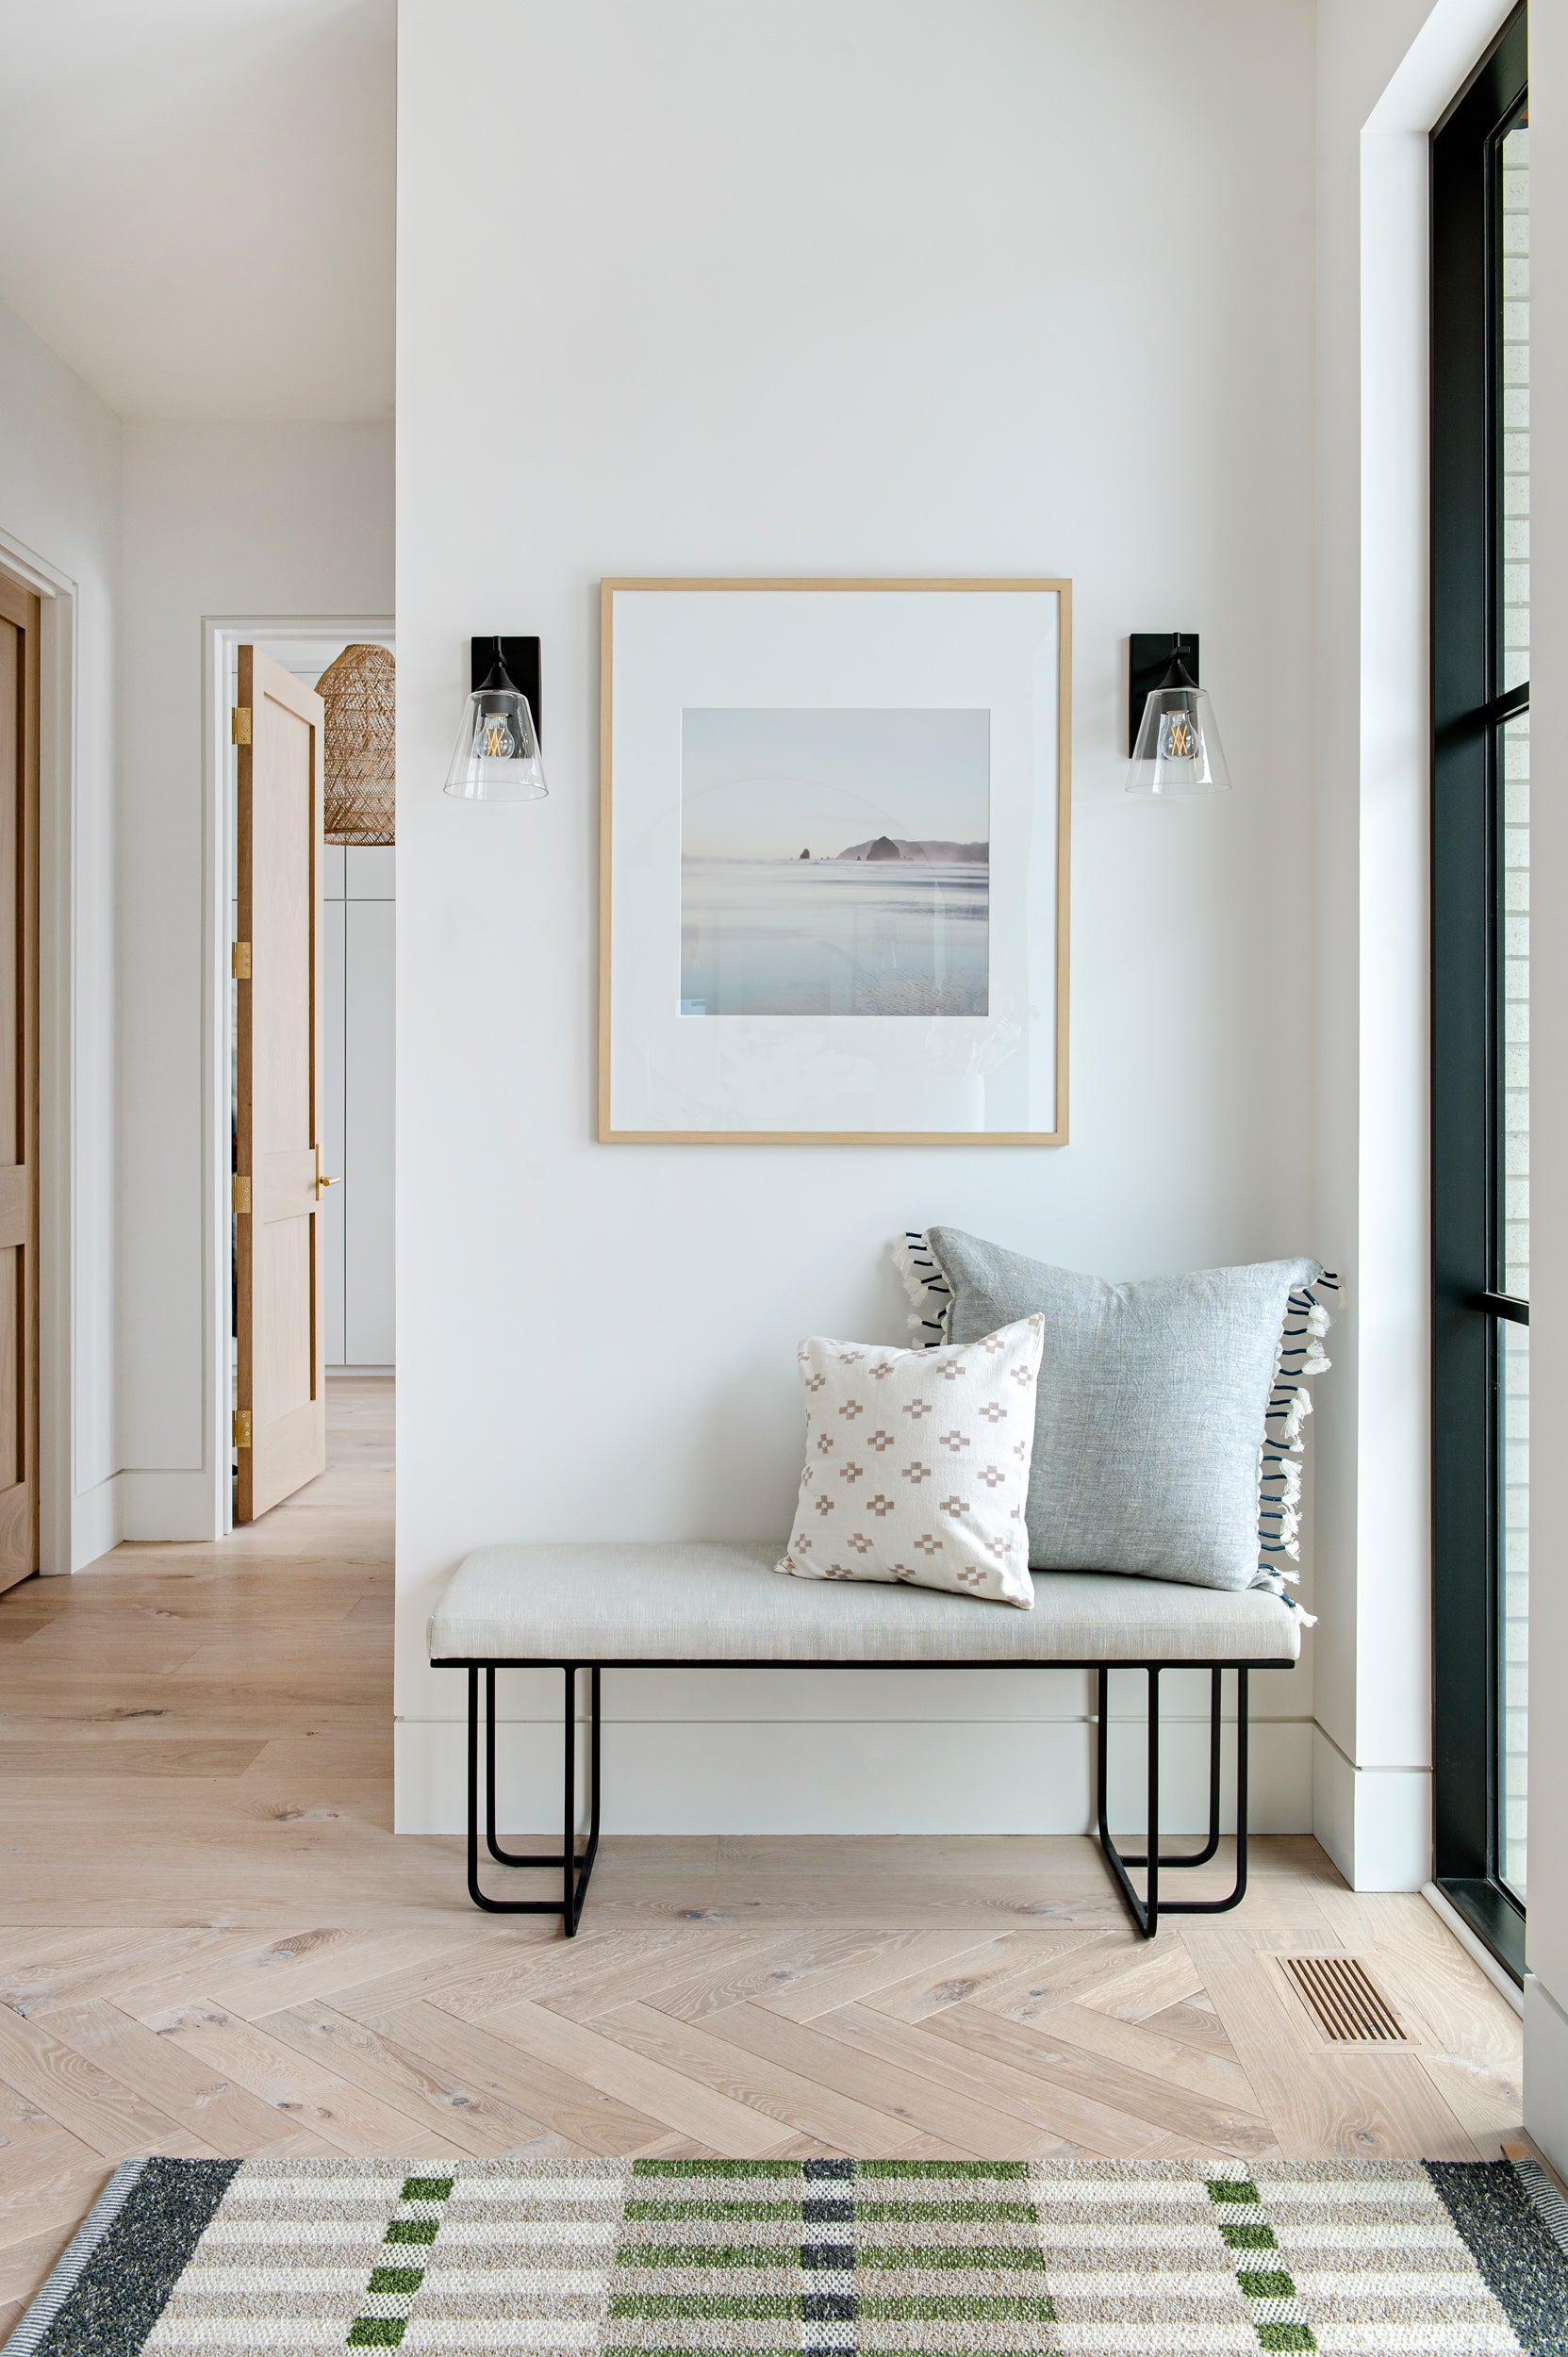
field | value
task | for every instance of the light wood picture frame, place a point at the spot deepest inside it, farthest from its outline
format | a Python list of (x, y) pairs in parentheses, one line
[(731, 709)]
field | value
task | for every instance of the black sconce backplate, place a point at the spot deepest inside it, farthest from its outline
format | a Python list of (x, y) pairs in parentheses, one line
[(1150, 654), (522, 658)]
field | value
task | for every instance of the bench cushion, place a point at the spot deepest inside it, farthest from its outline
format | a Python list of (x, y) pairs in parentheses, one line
[(717, 1601)]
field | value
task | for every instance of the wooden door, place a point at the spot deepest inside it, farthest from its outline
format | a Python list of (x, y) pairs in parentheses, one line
[(280, 1391), (19, 645)]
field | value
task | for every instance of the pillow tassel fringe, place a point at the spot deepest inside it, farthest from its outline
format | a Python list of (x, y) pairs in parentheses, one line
[(922, 1278), (1300, 1356)]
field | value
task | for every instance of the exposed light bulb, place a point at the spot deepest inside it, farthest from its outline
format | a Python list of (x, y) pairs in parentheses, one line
[(497, 756)]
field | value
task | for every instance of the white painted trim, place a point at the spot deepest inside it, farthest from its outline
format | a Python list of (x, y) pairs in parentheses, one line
[(843, 1776), (1546, 2072), (1392, 1279), (96, 1526), (1455, 35), (1477, 1950), (219, 633), (59, 737), (217, 1148), (1374, 1821), (165, 1505)]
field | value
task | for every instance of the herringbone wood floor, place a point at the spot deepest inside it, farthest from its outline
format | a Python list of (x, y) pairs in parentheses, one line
[(210, 1942)]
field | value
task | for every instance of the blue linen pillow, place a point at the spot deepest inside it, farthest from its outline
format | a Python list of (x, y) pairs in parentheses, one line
[(1168, 1412)]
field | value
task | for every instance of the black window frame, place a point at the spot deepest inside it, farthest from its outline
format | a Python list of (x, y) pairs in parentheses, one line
[(1469, 713)]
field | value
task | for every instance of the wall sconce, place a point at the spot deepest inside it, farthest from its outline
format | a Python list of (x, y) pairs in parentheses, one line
[(1175, 744), (497, 754)]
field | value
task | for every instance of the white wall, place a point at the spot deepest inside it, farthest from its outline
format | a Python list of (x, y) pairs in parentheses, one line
[(60, 506), (810, 288), (252, 522)]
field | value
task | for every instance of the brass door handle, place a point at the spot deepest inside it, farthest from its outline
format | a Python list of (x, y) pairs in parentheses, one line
[(323, 1181)]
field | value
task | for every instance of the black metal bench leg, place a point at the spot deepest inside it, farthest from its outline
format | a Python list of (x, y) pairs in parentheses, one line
[(1199, 1857), (1145, 1912), (574, 1870), (509, 1858)]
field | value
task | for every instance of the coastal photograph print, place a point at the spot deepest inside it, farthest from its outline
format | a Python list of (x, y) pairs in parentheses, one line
[(834, 838), (835, 863)]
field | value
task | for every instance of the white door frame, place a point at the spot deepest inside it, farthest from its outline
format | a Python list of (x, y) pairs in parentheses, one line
[(221, 635), (61, 1547)]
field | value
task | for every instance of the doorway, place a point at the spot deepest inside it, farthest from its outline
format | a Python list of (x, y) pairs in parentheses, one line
[(355, 926)]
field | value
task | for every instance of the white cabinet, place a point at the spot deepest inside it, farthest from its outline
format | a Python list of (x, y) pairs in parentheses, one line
[(360, 1080)]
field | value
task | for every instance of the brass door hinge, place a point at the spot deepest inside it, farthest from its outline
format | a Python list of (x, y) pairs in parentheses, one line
[(240, 724), (239, 961), (242, 1428), (241, 1194)]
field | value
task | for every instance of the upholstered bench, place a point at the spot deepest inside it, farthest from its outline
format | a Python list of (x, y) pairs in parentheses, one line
[(704, 1604)]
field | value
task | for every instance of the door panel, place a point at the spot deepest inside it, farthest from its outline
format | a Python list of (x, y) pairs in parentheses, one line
[(19, 659), (281, 1379)]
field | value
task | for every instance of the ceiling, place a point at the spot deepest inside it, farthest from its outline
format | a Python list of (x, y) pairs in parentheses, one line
[(197, 201)]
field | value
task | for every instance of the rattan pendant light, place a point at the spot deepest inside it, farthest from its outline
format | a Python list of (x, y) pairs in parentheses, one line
[(359, 691)]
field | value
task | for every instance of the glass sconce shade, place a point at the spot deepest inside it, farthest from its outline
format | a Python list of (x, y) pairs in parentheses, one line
[(497, 754), (1177, 750)]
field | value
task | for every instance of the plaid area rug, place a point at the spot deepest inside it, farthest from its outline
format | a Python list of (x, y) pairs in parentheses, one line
[(1102, 2258)]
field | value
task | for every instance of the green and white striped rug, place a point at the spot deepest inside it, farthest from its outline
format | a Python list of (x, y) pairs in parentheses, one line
[(1102, 2258)]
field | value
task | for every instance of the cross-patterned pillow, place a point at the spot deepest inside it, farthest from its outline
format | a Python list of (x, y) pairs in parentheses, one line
[(917, 1464)]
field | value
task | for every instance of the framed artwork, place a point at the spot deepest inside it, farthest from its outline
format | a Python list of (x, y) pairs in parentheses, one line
[(834, 831)]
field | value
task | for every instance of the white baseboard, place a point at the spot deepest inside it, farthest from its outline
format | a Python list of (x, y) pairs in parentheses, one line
[(135, 1505), (167, 1506), (95, 1523), (822, 1776), (1546, 2072), (1375, 1822), (1477, 1950)]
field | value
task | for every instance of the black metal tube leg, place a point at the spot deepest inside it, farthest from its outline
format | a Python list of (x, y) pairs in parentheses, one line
[(1212, 1845), (1146, 1911), (501, 1857), (583, 1866), (490, 1842), (1135, 1906), (568, 1836), (473, 1787), (592, 1703), (1201, 1857), (573, 1872), (1240, 1891), (593, 1768), (1103, 1751), (1151, 1879)]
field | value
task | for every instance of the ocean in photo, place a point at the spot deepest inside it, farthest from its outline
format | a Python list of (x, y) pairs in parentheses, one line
[(834, 936)]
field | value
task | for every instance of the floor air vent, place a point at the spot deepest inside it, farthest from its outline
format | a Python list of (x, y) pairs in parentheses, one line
[(1344, 2002)]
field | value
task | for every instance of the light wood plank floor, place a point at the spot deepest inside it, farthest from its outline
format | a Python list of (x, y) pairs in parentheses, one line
[(210, 1941)]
